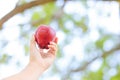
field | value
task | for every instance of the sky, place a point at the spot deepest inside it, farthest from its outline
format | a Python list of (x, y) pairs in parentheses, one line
[(110, 24)]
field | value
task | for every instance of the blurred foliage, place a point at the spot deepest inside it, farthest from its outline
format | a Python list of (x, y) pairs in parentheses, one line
[(4, 59), (54, 14)]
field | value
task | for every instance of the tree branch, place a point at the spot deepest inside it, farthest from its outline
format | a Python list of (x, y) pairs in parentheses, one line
[(104, 56), (87, 63), (22, 8)]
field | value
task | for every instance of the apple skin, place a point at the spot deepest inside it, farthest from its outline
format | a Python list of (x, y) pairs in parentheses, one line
[(44, 35)]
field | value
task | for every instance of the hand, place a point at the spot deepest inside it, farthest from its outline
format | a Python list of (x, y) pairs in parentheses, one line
[(39, 62), (39, 57)]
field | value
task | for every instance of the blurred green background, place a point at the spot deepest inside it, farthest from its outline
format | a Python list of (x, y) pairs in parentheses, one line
[(88, 32)]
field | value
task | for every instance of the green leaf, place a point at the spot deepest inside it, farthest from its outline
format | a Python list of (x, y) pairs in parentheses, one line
[(35, 16), (4, 58), (94, 75), (59, 53), (100, 42), (116, 77), (49, 8), (26, 47)]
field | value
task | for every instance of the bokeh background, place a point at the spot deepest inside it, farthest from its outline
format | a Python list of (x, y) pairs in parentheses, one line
[(88, 32)]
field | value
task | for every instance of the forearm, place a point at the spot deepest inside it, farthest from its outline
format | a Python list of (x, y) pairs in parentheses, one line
[(31, 72)]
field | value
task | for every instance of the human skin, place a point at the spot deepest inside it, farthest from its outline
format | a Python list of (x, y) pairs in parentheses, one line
[(38, 63)]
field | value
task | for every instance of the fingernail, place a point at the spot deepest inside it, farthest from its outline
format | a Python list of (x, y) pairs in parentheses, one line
[(50, 42), (48, 45)]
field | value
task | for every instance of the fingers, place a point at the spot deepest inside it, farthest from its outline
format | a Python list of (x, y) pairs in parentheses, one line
[(55, 40), (52, 48)]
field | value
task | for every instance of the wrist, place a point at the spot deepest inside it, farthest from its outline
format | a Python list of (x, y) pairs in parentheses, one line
[(35, 67)]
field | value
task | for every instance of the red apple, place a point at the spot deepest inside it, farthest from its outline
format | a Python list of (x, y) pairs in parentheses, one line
[(44, 34)]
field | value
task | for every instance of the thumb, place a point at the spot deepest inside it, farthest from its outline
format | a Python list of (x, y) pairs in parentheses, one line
[(32, 44)]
